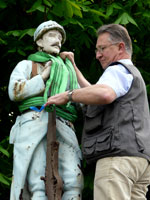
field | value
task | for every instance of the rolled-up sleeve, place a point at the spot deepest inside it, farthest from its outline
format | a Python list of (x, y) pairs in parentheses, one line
[(118, 78)]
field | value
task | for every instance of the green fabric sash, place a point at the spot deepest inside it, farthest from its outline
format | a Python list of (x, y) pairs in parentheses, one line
[(57, 83)]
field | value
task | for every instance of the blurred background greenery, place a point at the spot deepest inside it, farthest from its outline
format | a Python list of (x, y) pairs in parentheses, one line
[(80, 18)]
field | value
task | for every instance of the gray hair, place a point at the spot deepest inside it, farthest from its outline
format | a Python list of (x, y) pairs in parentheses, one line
[(118, 33)]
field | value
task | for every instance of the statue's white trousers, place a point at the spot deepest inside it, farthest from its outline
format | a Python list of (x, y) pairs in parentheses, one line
[(29, 138)]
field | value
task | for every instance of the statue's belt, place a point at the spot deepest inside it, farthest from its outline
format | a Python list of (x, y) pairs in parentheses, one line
[(67, 122)]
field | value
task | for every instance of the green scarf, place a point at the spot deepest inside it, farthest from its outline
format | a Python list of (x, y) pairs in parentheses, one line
[(59, 74)]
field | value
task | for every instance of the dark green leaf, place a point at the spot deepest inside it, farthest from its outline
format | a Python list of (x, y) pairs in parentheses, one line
[(4, 151), (3, 4), (4, 179), (36, 6)]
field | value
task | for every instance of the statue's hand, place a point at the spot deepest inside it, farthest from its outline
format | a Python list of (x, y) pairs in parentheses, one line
[(69, 55), (46, 71)]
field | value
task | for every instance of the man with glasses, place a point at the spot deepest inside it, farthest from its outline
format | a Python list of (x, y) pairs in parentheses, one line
[(116, 134)]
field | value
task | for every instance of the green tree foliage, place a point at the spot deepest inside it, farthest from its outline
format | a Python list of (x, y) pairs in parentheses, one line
[(80, 18)]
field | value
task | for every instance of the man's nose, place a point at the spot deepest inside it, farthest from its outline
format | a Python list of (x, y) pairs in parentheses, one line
[(98, 54)]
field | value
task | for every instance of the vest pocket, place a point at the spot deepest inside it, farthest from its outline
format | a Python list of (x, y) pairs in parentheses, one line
[(89, 146), (99, 144), (92, 124), (93, 119), (103, 143)]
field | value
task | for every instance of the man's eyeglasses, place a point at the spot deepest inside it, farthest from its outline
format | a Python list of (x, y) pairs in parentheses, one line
[(101, 49)]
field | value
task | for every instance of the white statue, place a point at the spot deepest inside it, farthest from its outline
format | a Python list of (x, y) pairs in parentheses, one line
[(28, 83)]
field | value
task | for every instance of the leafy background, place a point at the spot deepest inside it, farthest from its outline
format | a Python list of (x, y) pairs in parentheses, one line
[(80, 18)]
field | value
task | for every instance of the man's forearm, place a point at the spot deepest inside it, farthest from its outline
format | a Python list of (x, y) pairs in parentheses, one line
[(94, 94), (81, 80)]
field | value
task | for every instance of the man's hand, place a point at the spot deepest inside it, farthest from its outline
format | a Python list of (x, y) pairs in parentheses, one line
[(58, 99), (46, 71), (69, 55)]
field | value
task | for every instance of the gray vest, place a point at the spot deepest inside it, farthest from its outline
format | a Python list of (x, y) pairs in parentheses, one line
[(121, 128)]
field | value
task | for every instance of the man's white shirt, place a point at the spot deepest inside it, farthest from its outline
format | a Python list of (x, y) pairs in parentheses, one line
[(118, 78)]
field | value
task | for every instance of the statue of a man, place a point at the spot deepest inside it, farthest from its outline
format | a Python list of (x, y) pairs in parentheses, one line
[(32, 81)]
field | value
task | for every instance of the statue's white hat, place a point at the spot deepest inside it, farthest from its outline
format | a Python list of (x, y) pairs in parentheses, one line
[(49, 25)]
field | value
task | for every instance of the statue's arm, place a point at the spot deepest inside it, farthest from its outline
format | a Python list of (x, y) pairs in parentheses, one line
[(21, 85)]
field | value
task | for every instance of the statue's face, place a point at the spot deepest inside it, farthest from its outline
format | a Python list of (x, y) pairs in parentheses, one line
[(51, 42)]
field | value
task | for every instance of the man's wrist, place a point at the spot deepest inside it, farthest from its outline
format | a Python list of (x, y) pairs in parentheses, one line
[(70, 93)]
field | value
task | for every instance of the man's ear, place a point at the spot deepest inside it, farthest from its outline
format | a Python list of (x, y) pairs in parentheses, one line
[(121, 45), (39, 43)]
